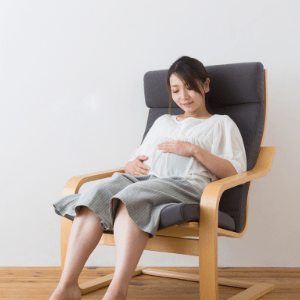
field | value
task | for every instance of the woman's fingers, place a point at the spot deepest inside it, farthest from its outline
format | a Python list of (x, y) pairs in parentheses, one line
[(142, 170), (143, 166)]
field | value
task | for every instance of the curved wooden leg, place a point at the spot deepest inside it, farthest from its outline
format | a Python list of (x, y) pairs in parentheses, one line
[(98, 283), (208, 256)]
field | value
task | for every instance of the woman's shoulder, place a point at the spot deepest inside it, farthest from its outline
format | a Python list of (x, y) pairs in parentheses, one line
[(219, 123), (161, 118), (223, 119), (228, 121), (225, 124)]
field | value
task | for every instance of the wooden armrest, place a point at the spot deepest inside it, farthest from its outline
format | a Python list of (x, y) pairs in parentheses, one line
[(209, 204), (212, 191), (215, 189), (74, 184)]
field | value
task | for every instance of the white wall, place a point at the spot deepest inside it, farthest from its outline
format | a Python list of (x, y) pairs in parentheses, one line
[(72, 102)]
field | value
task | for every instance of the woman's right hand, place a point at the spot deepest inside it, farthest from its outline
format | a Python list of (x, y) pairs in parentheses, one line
[(137, 167)]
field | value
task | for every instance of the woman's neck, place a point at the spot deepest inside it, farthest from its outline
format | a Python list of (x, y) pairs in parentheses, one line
[(205, 116)]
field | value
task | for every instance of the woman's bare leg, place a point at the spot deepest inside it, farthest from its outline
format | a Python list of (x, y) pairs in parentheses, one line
[(84, 237), (130, 242)]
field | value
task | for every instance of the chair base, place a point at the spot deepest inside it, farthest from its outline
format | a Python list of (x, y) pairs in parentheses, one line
[(253, 290)]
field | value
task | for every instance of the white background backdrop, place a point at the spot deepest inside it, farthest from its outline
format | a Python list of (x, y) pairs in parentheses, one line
[(72, 102)]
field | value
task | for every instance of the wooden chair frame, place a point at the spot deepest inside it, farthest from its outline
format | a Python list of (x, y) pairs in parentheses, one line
[(179, 238)]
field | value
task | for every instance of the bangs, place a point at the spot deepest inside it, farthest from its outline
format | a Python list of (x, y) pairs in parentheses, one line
[(190, 80)]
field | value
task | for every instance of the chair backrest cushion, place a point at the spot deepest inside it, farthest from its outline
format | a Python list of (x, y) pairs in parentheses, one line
[(236, 90)]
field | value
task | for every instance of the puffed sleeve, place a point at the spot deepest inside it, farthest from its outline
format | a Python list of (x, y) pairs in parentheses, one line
[(227, 143)]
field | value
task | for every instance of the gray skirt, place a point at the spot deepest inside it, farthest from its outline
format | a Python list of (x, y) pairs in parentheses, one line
[(144, 197)]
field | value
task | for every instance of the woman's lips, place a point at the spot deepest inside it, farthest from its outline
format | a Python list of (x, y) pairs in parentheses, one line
[(186, 105)]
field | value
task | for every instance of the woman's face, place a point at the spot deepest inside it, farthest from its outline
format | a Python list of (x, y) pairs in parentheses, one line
[(188, 100)]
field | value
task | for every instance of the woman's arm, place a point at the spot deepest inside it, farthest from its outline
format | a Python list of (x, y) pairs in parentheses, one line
[(220, 167)]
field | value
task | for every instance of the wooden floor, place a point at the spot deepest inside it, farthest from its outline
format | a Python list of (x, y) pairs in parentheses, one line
[(39, 283)]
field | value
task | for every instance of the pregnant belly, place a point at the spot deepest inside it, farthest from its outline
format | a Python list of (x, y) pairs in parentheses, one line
[(169, 164)]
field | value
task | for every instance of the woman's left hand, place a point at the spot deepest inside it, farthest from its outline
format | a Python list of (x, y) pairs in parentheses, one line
[(177, 147)]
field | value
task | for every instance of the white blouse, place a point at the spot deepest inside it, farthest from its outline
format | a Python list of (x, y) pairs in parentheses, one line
[(218, 135)]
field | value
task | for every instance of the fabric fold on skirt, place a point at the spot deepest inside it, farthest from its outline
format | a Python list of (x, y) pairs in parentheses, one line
[(144, 197)]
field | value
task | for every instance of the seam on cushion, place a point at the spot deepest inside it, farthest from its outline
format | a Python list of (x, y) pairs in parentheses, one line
[(256, 125), (181, 212), (240, 202)]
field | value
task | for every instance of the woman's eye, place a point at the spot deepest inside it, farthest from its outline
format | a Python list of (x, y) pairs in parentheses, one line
[(177, 91)]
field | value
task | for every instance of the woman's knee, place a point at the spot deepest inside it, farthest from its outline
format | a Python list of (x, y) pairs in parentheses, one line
[(86, 210), (121, 208)]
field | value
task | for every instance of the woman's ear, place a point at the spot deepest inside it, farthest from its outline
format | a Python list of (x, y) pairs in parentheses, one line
[(206, 85)]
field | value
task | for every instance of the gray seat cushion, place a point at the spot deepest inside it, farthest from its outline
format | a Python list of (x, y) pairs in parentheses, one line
[(182, 213)]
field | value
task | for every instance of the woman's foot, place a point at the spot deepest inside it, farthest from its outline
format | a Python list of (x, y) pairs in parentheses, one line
[(114, 295), (66, 293), (111, 297)]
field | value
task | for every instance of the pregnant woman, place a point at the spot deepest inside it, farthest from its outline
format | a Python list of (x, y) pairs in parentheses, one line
[(179, 156)]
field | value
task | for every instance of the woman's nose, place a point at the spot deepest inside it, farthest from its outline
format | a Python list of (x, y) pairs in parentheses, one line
[(184, 95)]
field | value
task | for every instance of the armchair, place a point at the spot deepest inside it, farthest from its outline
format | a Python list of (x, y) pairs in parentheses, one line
[(240, 91)]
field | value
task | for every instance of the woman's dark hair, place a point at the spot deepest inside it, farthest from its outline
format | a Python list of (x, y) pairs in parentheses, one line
[(192, 73)]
